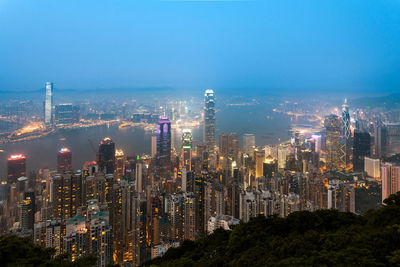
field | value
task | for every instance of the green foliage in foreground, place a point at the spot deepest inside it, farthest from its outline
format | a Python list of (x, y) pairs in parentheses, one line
[(17, 251), (320, 238)]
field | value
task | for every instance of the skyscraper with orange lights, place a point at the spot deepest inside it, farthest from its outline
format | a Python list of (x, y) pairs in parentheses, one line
[(16, 167), (64, 160)]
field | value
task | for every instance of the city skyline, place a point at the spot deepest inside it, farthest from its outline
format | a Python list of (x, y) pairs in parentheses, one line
[(142, 204), (199, 133)]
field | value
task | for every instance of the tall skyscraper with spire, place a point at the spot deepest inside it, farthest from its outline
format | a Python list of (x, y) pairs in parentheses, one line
[(345, 133), (48, 104), (209, 122)]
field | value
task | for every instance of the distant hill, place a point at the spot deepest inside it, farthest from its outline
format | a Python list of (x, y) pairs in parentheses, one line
[(389, 101), (320, 238)]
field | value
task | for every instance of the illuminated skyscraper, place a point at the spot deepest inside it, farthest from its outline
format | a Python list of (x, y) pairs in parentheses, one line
[(209, 122), (92, 234), (189, 222), (259, 158), (119, 164), (50, 233), (48, 104), (345, 132), (106, 155), (332, 138), (27, 211), (16, 167), (270, 167), (187, 149), (139, 217), (66, 194), (249, 142), (64, 160), (163, 147)]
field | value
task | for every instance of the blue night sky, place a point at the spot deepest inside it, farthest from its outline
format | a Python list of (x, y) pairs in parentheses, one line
[(259, 45)]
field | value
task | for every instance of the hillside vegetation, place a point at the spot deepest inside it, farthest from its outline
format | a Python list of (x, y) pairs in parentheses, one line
[(320, 238)]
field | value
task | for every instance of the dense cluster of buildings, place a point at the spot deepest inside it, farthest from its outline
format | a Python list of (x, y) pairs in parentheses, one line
[(127, 209)]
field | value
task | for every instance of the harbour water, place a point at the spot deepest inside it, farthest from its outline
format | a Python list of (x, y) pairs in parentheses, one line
[(269, 128)]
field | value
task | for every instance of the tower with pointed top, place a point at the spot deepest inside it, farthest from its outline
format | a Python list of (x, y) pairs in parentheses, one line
[(209, 122), (346, 137)]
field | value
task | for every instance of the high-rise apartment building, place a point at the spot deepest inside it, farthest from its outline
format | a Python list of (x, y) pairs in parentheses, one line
[(390, 175), (90, 234), (189, 227), (372, 167), (50, 234), (66, 194), (139, 217)]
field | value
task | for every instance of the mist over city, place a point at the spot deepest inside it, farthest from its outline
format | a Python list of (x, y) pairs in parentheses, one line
[(204, 133)]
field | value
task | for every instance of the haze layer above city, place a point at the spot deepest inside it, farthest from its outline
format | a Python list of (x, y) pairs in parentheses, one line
[(259, 47)]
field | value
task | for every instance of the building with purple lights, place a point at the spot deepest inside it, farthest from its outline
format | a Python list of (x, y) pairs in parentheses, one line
[(163, 147)]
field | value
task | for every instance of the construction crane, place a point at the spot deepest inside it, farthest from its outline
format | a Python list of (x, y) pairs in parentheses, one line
[(93, 147)]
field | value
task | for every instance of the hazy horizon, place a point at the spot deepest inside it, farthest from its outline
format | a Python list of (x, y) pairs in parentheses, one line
[(265, 47)]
